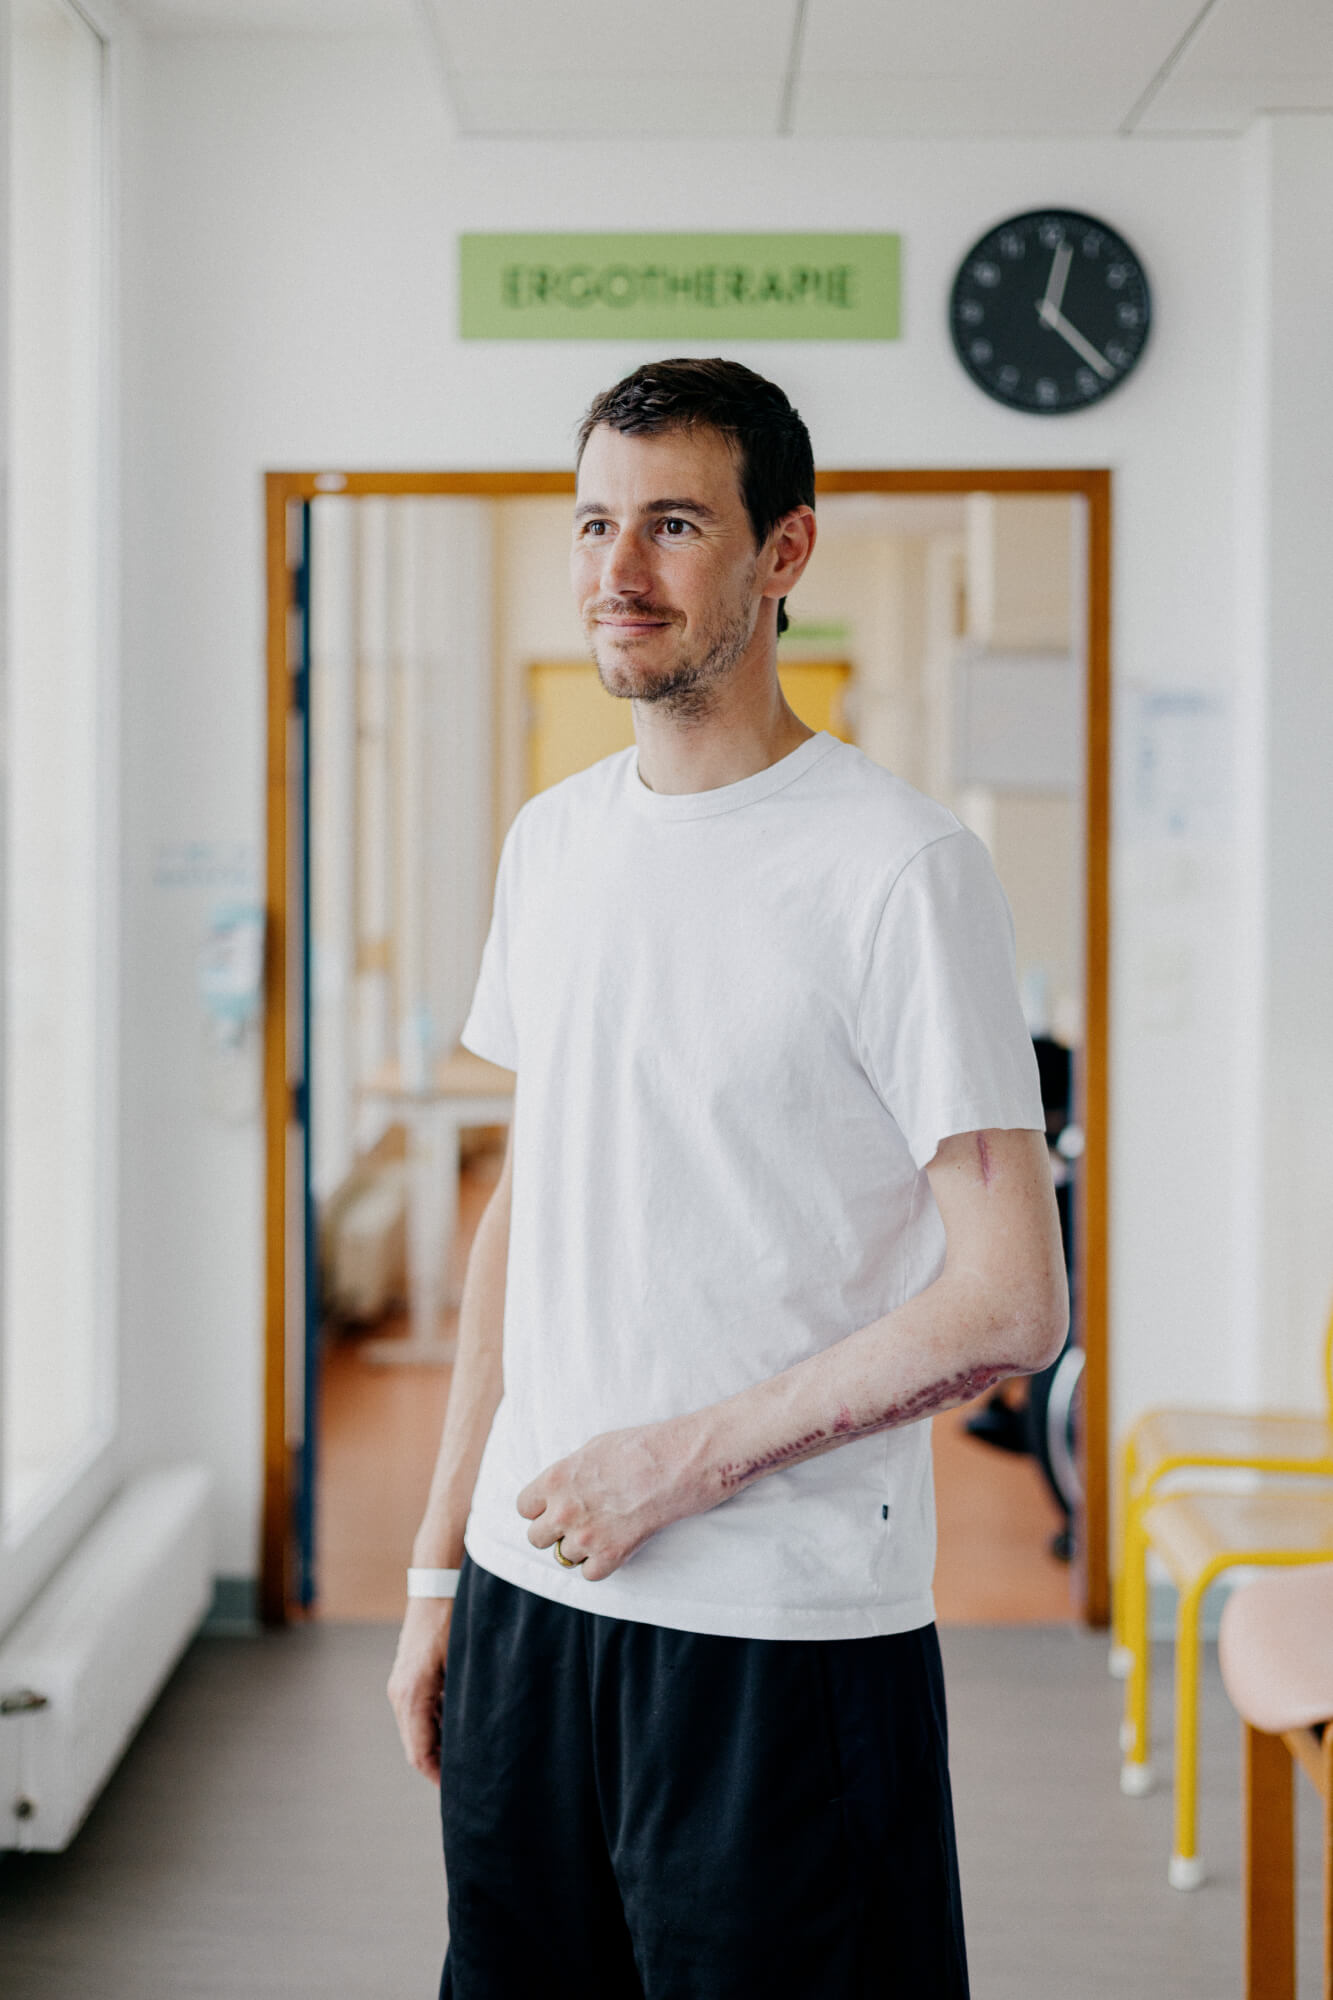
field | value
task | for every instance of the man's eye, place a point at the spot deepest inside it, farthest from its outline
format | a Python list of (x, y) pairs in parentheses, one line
[(594, 527), (674, 526)]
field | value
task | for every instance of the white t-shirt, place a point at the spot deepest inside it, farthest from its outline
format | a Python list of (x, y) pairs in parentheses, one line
[(742, 1020)]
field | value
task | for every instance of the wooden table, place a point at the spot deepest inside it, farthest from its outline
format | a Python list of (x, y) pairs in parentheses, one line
[(463, 1090)]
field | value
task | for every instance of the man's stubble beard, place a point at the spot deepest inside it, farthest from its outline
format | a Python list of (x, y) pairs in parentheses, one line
[(687, 690)]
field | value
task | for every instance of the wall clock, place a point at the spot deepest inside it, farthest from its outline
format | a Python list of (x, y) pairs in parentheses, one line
[(1050, 311)]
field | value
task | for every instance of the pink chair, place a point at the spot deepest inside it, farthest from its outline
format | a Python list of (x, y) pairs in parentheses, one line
[(1276, 1650)]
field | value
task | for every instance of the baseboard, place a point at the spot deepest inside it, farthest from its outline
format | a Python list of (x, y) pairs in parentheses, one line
[(234, 1612)]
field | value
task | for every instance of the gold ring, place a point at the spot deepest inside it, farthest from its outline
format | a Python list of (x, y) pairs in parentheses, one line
[(566, 1562)]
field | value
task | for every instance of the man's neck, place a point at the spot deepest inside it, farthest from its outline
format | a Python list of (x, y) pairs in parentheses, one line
[(748, 727)]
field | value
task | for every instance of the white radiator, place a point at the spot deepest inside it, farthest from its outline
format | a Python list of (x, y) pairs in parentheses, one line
[(81, 1668)]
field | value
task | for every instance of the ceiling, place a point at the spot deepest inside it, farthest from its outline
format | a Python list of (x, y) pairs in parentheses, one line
[(826, 68)]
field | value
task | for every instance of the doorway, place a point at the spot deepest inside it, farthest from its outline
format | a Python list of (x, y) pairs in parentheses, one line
[(829, 654)]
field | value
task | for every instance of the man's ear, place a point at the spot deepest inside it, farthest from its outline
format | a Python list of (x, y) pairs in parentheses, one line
[(791, 544)]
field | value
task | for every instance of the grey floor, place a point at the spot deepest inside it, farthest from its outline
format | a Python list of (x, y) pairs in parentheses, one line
[(263, 1837)]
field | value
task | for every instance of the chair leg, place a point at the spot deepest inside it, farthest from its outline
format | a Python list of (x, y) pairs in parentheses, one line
[(1186, 1869), (1270, 1881), (1129, 1460), (1136, 1771)]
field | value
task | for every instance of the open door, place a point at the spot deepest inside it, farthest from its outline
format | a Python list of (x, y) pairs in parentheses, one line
[(292, 1124)]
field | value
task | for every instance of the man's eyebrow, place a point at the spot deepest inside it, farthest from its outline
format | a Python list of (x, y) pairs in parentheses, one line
[(694, 507)]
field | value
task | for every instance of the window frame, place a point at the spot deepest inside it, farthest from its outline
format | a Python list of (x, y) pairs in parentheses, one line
[(38, 1537)]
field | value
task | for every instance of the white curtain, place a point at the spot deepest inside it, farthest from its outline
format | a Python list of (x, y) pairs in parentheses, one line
[(401, 795)]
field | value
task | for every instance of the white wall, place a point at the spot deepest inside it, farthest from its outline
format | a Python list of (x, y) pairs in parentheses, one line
[(294, 305), (1284, 1171)]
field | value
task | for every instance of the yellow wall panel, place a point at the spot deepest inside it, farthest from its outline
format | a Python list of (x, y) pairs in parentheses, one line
[(573, 722)]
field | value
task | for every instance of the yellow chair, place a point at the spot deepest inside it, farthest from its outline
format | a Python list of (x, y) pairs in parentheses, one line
[(1164, 1442), (1199, 1536)]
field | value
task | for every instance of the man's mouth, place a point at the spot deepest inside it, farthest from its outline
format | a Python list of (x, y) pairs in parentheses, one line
[(632, 624)]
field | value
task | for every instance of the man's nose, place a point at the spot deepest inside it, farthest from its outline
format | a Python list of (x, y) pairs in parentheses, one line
[(626, 571)]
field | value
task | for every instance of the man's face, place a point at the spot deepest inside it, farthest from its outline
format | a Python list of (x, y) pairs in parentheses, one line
[(664, 564)]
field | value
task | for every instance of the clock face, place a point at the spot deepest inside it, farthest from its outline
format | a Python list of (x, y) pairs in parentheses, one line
[(1049, 311)]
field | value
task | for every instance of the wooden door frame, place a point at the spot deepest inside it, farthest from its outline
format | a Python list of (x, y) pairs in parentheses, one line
[(1092, 1245)]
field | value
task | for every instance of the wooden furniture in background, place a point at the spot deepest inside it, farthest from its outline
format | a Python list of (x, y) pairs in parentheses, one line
[(1276, 1652), (1165, 1443), (462, 1090), (1199, 1537)]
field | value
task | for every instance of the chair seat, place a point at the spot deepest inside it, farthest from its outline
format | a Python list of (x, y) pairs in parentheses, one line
[(1276, 1649), (1232, 1437), (1194, 1532)]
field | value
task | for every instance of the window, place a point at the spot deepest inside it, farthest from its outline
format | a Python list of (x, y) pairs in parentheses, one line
[(58, 1301)]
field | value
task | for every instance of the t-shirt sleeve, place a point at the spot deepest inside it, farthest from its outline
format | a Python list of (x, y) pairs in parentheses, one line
[(489, 1029), (940, 1029)]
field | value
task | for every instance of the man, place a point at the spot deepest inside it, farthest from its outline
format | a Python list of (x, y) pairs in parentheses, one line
[(776, 1191)]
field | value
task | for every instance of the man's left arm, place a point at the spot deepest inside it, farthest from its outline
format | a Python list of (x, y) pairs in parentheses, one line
[(999, 1307)]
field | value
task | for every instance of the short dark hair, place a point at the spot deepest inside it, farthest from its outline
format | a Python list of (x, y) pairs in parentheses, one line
[(775, 462)]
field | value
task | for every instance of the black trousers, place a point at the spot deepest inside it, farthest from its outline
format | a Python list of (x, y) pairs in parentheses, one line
[(634, 1813)]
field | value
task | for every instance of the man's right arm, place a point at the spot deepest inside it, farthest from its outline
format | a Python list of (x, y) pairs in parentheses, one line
[(417, 1680)]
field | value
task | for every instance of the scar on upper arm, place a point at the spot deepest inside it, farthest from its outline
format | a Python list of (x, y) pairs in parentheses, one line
[(983, 1156)]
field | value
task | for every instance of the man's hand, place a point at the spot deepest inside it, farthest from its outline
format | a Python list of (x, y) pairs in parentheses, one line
[(416, 1685), (606, 1498)]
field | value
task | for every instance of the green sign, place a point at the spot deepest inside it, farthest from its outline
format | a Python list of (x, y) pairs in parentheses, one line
[(549, 287), (809, 630)]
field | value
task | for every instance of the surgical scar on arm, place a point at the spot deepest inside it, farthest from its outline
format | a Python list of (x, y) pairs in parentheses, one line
[(783, 1454), (959, 1388)]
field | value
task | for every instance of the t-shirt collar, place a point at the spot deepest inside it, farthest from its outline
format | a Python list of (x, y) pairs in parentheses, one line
[(726, 798)]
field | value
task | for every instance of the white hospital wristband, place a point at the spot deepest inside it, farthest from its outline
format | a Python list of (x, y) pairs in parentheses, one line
[(433, 1582)]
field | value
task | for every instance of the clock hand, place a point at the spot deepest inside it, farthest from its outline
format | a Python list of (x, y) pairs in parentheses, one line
[(1055, 283), (1051, 316)]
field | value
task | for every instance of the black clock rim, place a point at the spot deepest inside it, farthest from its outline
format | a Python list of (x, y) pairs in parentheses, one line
[(1074, 215)]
